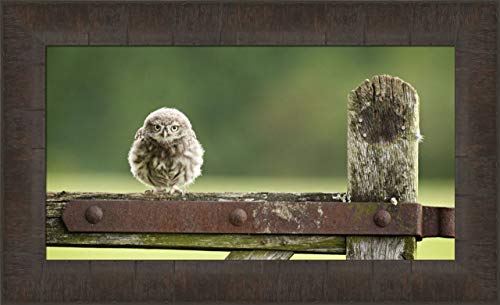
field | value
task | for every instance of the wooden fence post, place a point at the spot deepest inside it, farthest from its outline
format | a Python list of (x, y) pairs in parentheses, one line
[(382, 149)]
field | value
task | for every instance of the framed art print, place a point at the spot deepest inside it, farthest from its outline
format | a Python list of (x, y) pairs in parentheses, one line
[(260, 152)]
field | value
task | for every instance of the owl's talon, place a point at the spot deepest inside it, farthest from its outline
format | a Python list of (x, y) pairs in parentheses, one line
[(159, 190), (175, 190)]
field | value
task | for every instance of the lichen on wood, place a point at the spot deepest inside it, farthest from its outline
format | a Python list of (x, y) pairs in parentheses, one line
[(382, 153)]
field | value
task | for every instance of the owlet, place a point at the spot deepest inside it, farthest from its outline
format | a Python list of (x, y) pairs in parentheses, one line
[(165, 152)]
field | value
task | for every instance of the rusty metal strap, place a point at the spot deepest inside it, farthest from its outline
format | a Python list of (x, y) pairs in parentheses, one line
[(313, 218)]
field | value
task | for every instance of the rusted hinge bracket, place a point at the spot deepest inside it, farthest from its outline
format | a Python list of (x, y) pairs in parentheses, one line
[(311, 218)]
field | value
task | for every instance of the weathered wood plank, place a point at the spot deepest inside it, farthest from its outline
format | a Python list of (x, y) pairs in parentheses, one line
[(382, 153), (260, 255), (376, 247), (57, 201), (57, 234), (63, 196)]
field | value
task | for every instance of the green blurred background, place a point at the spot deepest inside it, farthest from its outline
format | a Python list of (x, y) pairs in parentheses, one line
[(269, 118)]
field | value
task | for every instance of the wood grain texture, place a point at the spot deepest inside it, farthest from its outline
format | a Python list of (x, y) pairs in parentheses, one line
[(2, 189), (252, 24), (450, 281), (303, 24), (151, 24), (60, 285), (478, 264), (478, 33), (257, 23), (484, 168), (387, 283), (382, 157), (24, 87), (23, 241), (382, 141), (434, 24), (247, 282), (22, 275), (475, 127), (476, 60), (389, 248), (154, 282), (303, 282), (476, 150), (108, 24), (391, 29), (57, 199), (62, 24), (477, 229), (30, 129), (196, 281), (197, 24), (28, 166), (21, 46), (342, 276), (112, 281), (21, 233), (345, 26)]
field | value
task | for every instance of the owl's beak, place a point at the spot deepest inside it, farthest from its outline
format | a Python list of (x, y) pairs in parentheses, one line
[(164, 133)]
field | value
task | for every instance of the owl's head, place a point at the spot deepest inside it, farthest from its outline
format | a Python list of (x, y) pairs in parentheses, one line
[(166, 125)]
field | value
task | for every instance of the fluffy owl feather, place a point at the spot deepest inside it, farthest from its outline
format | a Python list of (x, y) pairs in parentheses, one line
[(165, 152)]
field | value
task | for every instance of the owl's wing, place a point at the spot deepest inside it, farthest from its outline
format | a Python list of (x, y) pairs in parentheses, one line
[(139, 134)]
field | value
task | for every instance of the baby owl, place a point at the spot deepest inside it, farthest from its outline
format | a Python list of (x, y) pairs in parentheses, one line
[(165, 152)]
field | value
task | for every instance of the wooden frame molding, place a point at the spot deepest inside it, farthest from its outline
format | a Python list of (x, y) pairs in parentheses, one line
[(28, 28)]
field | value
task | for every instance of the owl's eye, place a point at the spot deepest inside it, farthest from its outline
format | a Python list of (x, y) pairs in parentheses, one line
[(157, 127), (174, 128)]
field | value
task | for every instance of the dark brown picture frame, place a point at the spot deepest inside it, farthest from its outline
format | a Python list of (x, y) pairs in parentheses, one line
[(28, 28)]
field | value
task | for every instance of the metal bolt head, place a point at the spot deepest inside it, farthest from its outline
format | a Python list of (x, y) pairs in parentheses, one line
[(382, 218), (238, 217), (93, 214)]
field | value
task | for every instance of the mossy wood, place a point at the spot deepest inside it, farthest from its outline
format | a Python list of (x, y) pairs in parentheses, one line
[(382, 152), (254, 246)]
